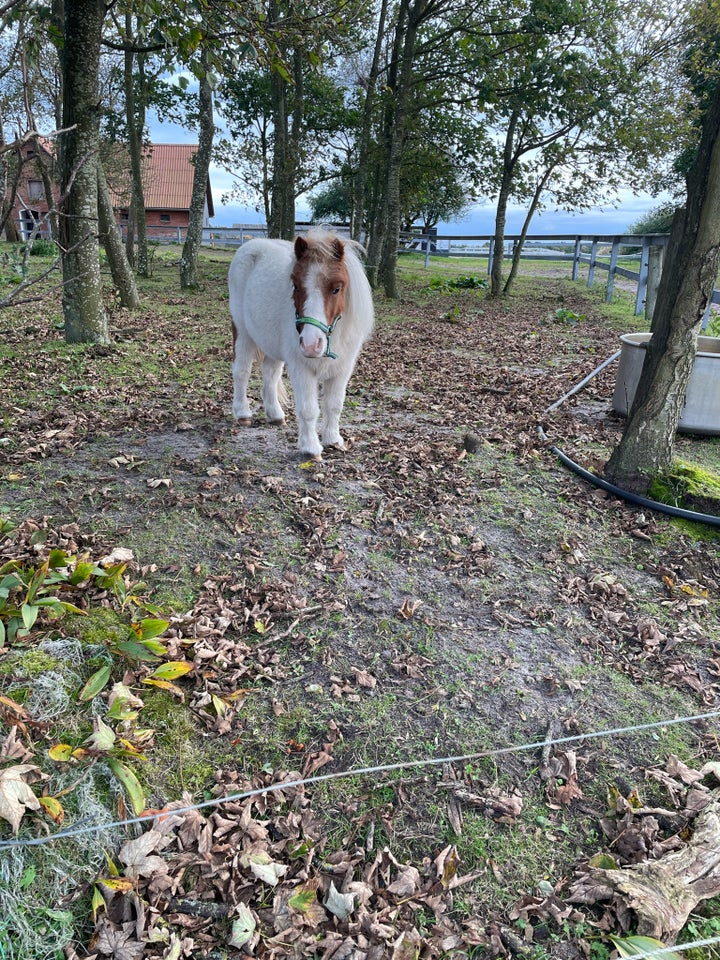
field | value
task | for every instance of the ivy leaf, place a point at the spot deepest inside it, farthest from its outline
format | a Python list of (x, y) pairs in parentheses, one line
[(61, 752)]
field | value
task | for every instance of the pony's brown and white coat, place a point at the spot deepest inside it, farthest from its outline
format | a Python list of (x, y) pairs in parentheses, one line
[(307, 305)]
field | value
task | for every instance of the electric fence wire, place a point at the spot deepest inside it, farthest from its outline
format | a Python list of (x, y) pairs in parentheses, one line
[(362, 771)]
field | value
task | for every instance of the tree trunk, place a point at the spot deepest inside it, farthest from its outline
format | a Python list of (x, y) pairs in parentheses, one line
[(360, 184), (691, 267), (278, 193), (509, 161), (83, 308), (518, 248), (409, 21), (42, 168), (191, 247), (136, 220), (119, 267)]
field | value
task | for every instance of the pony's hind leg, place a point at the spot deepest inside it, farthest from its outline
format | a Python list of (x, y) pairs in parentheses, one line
[(244, 353), (272, 372)]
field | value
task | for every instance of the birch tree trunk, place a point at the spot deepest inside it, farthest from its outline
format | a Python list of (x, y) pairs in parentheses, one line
[(191, 247), (83, 308), (691, 267)]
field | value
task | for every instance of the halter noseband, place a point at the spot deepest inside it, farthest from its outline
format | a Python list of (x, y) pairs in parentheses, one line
[(327, 330)]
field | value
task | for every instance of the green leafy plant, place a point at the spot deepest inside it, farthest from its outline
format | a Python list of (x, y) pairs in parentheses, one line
[(565, 316), (446, 284)]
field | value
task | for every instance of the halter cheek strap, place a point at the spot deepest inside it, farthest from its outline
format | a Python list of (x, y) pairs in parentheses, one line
[(327, 330)]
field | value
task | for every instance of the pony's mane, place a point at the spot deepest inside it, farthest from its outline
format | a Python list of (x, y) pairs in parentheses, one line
[(321, 242)]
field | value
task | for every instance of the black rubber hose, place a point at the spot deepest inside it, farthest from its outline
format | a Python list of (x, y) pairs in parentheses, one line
[(707, 518)]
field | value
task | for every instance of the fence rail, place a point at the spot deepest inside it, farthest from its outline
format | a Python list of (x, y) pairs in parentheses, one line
[(599, 252)]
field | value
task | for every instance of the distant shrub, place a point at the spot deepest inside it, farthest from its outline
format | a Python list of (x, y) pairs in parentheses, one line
[(657, 220), (42, 247)]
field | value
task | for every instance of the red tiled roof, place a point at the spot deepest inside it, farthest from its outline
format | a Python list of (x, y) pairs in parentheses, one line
[(168, 177)]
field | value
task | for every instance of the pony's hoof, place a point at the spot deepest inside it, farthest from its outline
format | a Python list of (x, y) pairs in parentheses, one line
[(277, 423), (244, 421)]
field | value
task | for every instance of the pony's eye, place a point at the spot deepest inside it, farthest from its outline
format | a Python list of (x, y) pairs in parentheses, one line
[(336, 291)]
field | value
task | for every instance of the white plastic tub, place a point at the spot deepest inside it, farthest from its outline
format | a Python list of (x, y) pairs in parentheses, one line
[(701, 413)]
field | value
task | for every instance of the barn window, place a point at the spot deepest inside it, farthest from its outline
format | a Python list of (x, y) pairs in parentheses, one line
[(36, 190), (164, 218)]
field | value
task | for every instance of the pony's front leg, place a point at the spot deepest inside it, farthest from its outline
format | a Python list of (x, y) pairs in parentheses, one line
[(244, 353), (307, 410), (272, 371), (333, 399)]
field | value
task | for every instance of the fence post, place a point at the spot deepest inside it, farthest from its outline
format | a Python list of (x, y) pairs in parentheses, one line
[(611, 272), (491, 251), (656, 257), (576, 259), (427, 252), (643, 278), (593, 257)]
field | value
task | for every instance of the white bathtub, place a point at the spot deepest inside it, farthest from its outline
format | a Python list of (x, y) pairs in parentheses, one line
[(701, 413)]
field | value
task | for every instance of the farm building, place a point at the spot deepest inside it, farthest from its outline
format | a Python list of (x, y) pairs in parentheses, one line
[(167, 184)]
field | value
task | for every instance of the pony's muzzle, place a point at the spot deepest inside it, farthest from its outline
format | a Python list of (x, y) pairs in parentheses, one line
[(313, 343), (314, 337)]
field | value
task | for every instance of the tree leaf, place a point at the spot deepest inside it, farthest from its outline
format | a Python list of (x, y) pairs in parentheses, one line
[(147, 629), (171, 670), (61, 752), (131, 783), (339, 904), (96, 683), (53, 808), (302, 900), (103, 737), (243, 927), (15, 794)]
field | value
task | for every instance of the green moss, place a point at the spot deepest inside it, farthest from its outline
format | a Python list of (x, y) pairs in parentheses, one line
[(27, 664), (688, 485), (181, 758), (101, 626)]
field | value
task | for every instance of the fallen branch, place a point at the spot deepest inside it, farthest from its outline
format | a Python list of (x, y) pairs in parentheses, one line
[(662, 893)]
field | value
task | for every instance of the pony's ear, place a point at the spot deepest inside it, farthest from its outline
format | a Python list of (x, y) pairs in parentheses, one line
[(338, 248), (301, 247)]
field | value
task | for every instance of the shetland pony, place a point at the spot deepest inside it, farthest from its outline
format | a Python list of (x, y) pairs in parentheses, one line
[(307, 305)]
